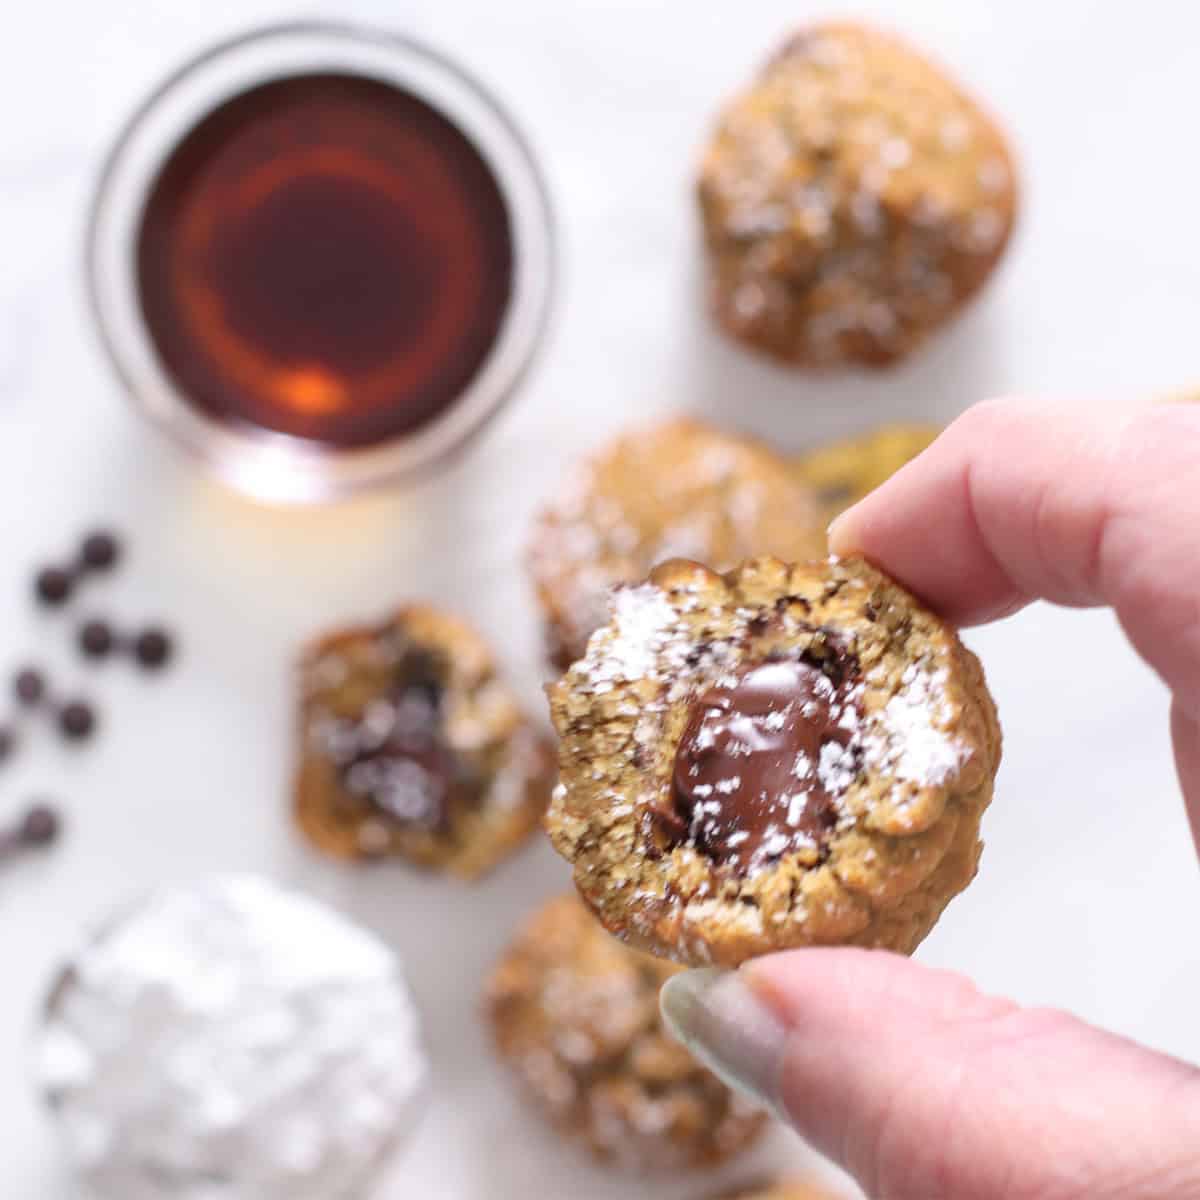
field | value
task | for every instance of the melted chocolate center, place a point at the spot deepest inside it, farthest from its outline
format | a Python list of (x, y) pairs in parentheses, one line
[(763, 762), (401, 764)]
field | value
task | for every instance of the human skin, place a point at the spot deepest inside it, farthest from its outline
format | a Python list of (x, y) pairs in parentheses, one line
[(914, 1081)]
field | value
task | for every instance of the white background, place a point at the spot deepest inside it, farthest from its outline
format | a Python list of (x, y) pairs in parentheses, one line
[(1089, 895)]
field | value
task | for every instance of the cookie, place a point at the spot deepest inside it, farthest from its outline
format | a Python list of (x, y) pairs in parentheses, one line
[(411, 746), (676, 489), (843, 473), (781, 756), (575, 1015), (853, 198)]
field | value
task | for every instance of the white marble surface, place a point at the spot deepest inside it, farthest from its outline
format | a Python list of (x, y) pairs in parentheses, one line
[(1089, 889)]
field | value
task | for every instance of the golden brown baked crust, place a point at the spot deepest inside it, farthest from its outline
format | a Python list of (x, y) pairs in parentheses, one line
[(575, 1015), (867, 839), (844, 472), (854, 198), (411, 746), (677, 488)]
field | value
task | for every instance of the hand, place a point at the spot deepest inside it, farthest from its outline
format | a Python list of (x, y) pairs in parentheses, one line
[(920, 1086)]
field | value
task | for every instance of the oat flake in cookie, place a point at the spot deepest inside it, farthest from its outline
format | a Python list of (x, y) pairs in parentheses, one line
[(781, 756), (574, 1014), (853, 199), (411, 746), (678, 489)]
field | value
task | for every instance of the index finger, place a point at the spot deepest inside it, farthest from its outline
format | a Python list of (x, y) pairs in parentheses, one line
[(1077, 504)]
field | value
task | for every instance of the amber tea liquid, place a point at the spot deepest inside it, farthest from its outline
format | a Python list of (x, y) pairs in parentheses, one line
[(325, 256)]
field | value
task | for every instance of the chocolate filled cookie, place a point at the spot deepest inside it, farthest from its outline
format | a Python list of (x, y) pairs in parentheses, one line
[(411, 746), (676, 489), (575, 1015), (854, 198), (844, 472), (781, 756)]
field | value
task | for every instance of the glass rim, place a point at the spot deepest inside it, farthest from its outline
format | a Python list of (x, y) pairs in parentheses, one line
[(272, 466)]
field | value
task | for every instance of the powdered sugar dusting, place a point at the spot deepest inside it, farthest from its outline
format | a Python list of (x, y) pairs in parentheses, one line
[(642, 622), (909, 739), (837, 767)]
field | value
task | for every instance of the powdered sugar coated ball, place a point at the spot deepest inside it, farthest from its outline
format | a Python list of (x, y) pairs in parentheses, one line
[(231, 1041)]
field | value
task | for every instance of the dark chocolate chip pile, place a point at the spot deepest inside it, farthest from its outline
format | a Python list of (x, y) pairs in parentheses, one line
[(99, 552), (150, 648), (76, 719)]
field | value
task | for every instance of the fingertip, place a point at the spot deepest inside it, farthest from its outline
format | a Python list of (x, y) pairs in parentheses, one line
[(845, 534)]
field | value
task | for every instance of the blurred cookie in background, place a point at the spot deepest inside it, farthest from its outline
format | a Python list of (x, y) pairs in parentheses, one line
[(574, 1014), (677, 489), (854, 198), (412, 746), (843, 472)]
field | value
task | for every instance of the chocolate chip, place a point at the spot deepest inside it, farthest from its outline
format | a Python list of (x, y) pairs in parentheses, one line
[(40, 826), (77, 720), (152, 648), (8, 742), (53, 585), (96, 639), (100, 551), (29, 687)]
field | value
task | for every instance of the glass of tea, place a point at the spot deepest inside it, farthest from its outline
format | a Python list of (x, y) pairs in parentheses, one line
[(320, 258)]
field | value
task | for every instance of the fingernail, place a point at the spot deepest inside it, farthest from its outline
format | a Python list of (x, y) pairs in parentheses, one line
[(720, 1019)]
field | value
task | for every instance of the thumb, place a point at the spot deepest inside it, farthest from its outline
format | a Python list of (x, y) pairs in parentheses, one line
[(925, 1089)]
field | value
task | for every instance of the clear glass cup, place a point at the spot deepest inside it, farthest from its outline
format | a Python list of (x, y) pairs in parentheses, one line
[(266, 464)]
